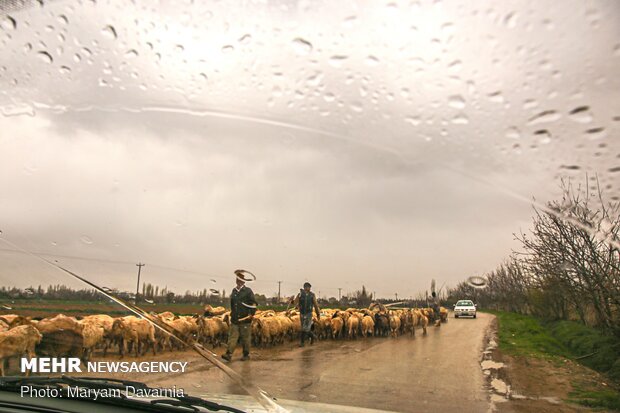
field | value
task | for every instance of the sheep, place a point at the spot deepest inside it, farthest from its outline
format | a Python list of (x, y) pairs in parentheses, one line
[(352, 326), (337, 325), (134, 332), (394, 322), (18, 341), (368, 326)]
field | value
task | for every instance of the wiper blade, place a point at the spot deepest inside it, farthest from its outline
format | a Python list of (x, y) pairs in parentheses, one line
[(13, 383)]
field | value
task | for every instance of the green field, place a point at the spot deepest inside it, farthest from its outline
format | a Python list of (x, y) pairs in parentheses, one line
[(528, 336)]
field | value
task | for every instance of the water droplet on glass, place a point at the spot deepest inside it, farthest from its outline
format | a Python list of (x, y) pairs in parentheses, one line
[(77, 58), (460, 119), (510, 20), (301, 46), (513, 133), (329, 97), (570, 167), (496, 97), (455, 65), (45, 56), (544, 117), (179, 48), (9, 23), (64, 70), (337, 60), (109, 32), (456, 101), (227, 49), (27, 48), (413, 120), (86, 51), (245, 39), (131, 53), (86, 240), (596, 133), (54, 243), (580, 114), (371, 61), (357, 107), (544, 136), (204, 77), (62, 19)]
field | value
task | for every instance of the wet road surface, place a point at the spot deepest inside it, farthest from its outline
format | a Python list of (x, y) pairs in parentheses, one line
[(437, 372)]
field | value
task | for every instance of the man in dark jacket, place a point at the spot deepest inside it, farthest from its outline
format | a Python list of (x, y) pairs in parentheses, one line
[(242, 309), (306, 302)]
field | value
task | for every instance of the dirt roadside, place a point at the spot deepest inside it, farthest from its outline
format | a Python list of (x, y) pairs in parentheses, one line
[(522, 384)]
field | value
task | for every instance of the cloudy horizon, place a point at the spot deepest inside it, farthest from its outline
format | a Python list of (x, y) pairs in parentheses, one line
[(383, 146)]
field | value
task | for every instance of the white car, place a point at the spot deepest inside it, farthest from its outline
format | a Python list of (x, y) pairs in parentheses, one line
[(464, 308)]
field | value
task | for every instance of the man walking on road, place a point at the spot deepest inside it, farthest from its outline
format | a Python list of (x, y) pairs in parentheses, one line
[(435, 307), (242, 309), (306, 302)]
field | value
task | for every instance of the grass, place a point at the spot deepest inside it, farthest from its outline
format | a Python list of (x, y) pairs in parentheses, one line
[(605, 399), (531, 337), (527, 336)]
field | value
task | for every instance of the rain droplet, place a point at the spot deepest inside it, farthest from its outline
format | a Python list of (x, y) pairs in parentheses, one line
[(245, 39), (63, 19), (456, 101), (413, 120), (570, 167), (596, 133), (371, 61), (64, 70), (45, 56), (337, 60), (54, 243), (179, 48), (544, 117), (455, 65), (329, 97), (9, 23), (86, 240), (130, 54), (614, 169), (204, 77), (77, 58), (510, 20), (301, 46), (496, 97), (357, 107), (460, 119), (544, 135), (109, 32), (580, 114), (227, 49), (513, 133), (27, 47)]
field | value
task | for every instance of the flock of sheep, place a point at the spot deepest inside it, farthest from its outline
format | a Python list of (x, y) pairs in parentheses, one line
[(64, 336)]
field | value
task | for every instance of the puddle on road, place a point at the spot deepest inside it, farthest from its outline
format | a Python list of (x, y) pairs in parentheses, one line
[(490, 364)]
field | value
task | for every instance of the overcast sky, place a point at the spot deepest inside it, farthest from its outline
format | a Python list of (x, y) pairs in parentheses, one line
[(342, 143)]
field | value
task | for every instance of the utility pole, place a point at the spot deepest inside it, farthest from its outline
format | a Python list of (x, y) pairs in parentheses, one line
[(279, 282), (339, 290), (139, 265), (396, 295)]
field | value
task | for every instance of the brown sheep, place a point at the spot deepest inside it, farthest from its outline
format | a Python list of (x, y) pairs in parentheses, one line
[(17, 342)]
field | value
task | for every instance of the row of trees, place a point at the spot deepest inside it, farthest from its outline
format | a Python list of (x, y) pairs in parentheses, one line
[(569, 266)]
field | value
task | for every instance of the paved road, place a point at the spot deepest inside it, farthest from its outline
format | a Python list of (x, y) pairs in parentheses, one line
[(437, 372)]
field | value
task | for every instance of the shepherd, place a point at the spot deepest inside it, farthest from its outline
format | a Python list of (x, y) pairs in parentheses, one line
[(306, 302), (242, 310)]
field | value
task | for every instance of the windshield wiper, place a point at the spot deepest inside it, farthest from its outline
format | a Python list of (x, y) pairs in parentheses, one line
[(62, 383)]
